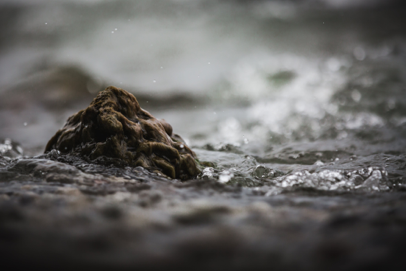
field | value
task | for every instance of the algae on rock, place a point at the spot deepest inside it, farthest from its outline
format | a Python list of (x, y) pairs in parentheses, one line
[(114, 125)]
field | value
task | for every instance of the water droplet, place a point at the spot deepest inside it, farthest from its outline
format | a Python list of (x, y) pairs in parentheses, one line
[(112, 32), (25, 124), (154, 81), (46, 23), (356, 96), (115, 29)]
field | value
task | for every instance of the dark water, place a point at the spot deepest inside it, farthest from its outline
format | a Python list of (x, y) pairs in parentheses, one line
[(299, 105)]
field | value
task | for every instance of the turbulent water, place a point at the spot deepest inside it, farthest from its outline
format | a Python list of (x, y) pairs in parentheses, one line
[(299, 106)]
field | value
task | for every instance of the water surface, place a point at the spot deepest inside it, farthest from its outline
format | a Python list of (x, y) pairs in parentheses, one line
[(300, 107)]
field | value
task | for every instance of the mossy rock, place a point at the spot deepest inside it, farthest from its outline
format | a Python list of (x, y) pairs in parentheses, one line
[(114, 125)]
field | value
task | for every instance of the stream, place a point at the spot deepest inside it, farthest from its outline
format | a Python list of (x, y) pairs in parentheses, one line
[(298, 106)]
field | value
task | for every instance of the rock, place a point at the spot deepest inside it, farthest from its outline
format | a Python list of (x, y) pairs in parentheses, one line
[(114, 125)]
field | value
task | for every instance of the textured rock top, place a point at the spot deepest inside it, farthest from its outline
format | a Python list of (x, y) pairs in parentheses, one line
[(114, 125)]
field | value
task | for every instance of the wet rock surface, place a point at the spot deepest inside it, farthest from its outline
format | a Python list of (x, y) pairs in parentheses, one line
[(57, 215), (115, 126)]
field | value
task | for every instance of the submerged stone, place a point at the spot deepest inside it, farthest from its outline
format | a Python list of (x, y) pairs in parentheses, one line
[(114, 125)]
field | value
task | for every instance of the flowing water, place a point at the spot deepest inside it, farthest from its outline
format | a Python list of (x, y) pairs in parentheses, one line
[(298, 106)]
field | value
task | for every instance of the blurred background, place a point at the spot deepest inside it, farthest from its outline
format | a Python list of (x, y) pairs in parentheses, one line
[(300, 106), (273, 79)]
